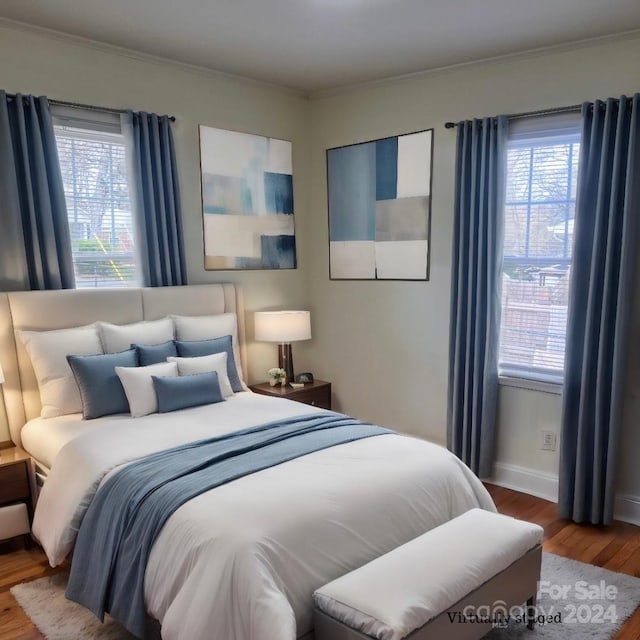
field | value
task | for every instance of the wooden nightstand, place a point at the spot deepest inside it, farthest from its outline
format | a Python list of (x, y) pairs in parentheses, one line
[(16, 505), (317, 393)]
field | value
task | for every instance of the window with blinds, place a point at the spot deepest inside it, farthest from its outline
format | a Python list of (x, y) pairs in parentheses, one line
[(93, 160), (542, 170)]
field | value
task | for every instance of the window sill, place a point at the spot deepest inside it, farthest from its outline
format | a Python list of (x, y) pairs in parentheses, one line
[(532, 385)]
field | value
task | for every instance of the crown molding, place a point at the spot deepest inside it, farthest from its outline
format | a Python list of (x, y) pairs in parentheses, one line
[(97, 45), (507, 57)]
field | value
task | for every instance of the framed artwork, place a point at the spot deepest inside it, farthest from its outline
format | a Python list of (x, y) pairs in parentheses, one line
[(247, 201), (379, 195)]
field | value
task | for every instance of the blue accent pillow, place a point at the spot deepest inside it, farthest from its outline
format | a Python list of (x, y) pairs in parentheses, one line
[(182, 392), (100, 388), (195, 348), (155, 353)]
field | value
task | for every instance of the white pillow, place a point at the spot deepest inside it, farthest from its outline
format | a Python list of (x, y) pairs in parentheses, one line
[(208, 327), (117, 337), (138, 386), (48, 351), (204, 364)]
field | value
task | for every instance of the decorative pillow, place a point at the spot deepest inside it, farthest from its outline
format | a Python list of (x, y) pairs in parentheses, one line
[(138, 386), (116, 338), (205, 364), (187, 391), (207, 327), (195, 348), (100, 388), (155, 353), (48, 350)]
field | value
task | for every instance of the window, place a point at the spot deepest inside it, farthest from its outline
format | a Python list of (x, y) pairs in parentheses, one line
[(542, 170), (93, 160)]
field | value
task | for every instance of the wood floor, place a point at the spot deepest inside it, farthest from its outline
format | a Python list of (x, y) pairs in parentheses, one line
[(616, 547), (19, 565)]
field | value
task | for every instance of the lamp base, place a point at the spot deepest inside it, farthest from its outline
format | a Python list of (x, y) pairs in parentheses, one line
[(285, 360)]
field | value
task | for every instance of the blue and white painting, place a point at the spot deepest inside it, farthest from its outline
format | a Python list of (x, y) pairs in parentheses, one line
[(380, 208), (247, 201)]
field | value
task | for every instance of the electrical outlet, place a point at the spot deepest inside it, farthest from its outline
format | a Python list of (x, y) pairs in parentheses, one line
[(549, 440)]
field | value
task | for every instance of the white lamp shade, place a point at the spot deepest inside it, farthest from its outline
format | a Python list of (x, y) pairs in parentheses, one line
[(282, 326), (1, 375)]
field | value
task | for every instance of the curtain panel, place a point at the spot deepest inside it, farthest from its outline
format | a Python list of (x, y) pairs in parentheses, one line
[(475, 291), (35, 243), (601, 293), (158, 213)]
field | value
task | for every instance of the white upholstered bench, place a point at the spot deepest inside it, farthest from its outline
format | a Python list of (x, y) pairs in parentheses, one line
[(431, 587)]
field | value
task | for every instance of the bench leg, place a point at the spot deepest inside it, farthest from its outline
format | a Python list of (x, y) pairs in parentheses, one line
[(531, 612)]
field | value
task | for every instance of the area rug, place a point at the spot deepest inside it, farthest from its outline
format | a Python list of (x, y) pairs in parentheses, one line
[(60, 619), (576, 601)]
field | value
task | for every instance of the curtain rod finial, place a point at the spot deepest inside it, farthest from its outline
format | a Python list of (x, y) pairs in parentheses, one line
[(449, 125)]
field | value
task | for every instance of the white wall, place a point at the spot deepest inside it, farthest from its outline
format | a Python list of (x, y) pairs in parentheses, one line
[(65, 69), (385, 344)]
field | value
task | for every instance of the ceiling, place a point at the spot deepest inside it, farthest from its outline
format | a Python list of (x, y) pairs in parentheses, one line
[(315, 45)]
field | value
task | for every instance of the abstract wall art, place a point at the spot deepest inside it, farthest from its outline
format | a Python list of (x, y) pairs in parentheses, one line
[(247, 201), (379, 196)]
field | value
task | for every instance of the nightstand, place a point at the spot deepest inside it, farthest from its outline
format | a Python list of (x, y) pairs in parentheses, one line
[(16, 504), (317, 393)]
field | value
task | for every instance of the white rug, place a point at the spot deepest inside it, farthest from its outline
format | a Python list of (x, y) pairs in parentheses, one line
[(59, 619), (578, 601)]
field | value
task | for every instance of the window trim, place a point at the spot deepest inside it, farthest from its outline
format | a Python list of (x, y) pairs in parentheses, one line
[(531, 384), (80, 124), (547, 380), (509, 374)]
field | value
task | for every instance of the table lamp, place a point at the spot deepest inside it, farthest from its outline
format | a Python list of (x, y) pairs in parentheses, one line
[(283, 327)]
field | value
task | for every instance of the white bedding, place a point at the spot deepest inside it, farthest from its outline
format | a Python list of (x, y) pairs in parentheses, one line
[(42, 438), (240, 562)]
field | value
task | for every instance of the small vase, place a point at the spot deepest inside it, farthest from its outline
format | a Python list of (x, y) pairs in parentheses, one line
[(272, 382)]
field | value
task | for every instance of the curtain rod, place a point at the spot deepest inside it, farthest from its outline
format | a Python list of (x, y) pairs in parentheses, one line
[(90, 107), (528, 114)]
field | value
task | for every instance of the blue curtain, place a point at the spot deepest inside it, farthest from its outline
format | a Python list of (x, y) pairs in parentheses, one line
[(35, 244), (604, 260), (475, 291), (159, 236)]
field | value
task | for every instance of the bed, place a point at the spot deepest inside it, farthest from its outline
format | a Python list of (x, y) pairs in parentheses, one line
[(238, 562)]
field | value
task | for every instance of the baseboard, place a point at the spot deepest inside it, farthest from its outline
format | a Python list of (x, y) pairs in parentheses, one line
[(545, 485), (535, 483), (627, 508)]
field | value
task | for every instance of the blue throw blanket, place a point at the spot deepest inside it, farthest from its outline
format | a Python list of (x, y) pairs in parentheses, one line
[(130, 508)]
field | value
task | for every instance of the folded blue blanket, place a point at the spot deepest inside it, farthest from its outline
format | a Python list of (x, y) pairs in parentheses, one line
[(130, 508)]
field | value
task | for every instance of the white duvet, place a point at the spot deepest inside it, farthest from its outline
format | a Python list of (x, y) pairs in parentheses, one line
[(241, 562)]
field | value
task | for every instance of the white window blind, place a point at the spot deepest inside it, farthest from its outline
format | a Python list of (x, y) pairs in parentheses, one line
[(542, 170), (93, 160)]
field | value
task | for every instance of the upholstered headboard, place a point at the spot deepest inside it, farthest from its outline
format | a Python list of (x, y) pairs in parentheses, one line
[(45, 310)]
